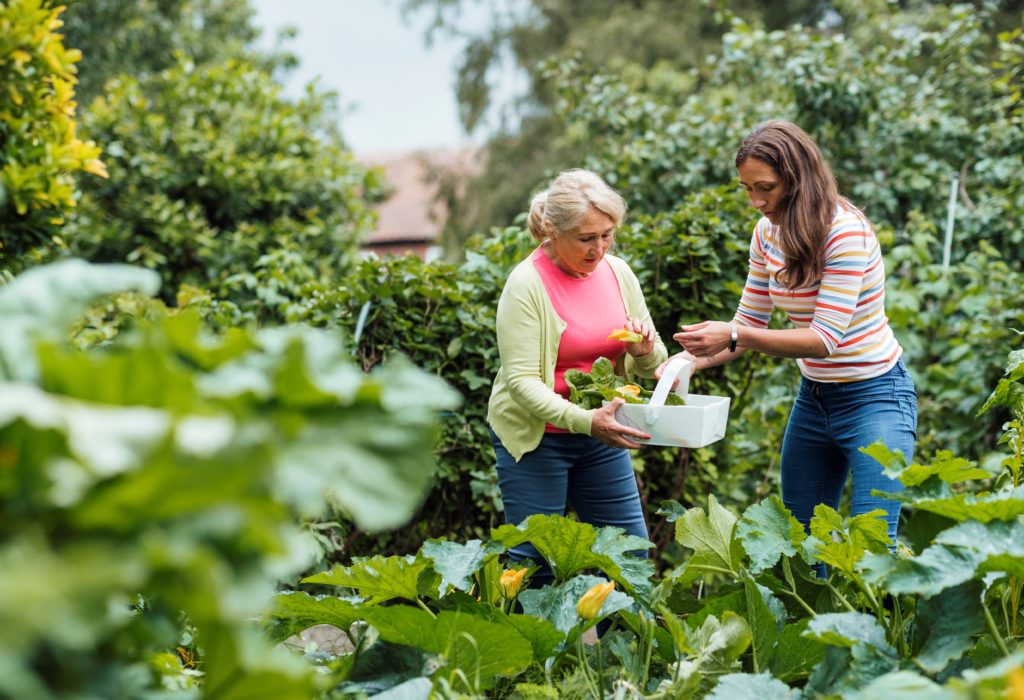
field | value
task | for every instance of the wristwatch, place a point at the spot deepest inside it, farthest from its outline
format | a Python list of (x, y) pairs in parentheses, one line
[(734, 337)]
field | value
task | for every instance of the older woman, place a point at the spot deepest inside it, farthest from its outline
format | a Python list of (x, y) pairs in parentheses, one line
[(555, 314)]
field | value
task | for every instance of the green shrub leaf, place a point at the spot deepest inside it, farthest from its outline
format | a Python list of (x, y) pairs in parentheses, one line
[(482, 650), (944, 625), (711, 537), (750, 685), (378, 579), (295, 611), (848, 629), (768, 532)]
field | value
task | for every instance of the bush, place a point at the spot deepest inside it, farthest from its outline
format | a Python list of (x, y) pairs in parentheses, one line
[(39, 151), (152, 488), (216, 180)]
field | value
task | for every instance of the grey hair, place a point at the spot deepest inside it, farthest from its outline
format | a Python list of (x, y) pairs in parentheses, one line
[(560, 208)]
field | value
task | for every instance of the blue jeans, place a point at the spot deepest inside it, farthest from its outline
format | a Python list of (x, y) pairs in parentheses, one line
[(829, 424), (578, 470)]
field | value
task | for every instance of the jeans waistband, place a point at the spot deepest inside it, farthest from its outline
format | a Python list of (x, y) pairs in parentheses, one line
[(896, 373)]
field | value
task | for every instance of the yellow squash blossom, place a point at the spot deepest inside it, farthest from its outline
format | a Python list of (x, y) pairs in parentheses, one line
[(590, 602), (511, 581), (629, 390), (625, 336)]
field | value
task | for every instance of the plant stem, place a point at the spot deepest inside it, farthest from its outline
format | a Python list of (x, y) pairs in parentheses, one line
[(840, 596), (585, 665), (1014, 604), (600, 670), (424, 606), (994, 631), (647, 639), (803, 603)]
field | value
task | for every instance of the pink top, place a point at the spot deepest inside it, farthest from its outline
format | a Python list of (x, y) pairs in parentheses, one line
[(591, 307)]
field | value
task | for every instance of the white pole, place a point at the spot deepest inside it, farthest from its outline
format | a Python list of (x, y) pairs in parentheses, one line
[(947, 246)]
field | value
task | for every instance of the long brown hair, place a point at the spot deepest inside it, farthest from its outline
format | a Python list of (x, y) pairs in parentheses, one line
[(808, 203)]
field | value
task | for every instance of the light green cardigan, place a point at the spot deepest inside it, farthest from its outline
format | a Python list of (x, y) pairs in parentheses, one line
[(523, 399)]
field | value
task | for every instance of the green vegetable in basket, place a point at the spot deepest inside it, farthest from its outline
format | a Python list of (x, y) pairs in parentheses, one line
[(590, 390)]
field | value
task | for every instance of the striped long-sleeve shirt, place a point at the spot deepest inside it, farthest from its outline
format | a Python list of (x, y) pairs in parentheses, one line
[(846, 308)]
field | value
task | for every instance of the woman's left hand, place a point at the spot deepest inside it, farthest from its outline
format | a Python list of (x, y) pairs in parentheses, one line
[(645, 346), (705, 339)]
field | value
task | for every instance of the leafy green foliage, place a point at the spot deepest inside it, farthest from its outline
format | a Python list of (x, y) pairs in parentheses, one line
[(133, 525), (222, 183), (39, 151), (591, 389), (570, 547), (146, 35), (712, 538)]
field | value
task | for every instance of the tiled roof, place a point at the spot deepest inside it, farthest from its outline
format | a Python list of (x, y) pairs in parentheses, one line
[(411, 212)]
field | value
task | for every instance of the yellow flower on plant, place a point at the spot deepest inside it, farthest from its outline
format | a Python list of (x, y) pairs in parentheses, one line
[(590, 602), (511, 581), (629, 390)]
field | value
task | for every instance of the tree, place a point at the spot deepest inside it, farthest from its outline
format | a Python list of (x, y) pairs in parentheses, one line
[(536, 35), (220, 182), (143, 37)]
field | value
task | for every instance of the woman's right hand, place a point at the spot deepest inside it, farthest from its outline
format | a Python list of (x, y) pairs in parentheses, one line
[(611, 432), (686, 356)]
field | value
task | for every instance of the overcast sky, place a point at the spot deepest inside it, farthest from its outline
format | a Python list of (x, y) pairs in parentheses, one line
[(396, 93)]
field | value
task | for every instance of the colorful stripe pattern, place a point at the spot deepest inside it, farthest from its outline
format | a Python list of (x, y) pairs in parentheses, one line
[(846, 308)]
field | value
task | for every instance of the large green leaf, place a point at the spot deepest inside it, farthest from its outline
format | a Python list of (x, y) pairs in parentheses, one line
[(935, 569), (747, 685), (240, 666), (480, 649), (635, 571), (711, 537), (106, 439), (557, 604), (796, 654), (769, 531), (61, 595), (457, 562), (1000, 543), (843, 545), (960, 553), (720, 642), (944, 626), (295, 611), (43, 302), (945, 467), (379, 578), (570, 546), (848, 629), (540, 633), (1003, 505), (844, 671), (906, 685), (726, 598), (764, 627)]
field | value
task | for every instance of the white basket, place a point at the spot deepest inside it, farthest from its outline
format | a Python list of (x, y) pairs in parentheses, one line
[(700, 422)]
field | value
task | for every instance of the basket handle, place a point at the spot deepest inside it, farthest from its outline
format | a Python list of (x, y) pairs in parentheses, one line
[(680, 368)]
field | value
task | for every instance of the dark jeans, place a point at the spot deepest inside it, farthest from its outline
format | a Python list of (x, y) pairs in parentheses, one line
[(596, 480), (829, 424)]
